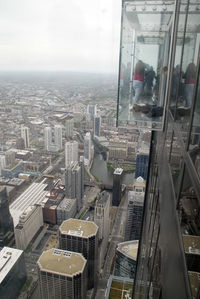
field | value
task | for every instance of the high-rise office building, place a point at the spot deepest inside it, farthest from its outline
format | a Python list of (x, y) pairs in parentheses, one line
[(69, 127), (87, 148), (142, 160), (62, 274), (74, 182), (172, 198), (71, 152), (47, 138), (102, 220), (6, 221), (58, 136), (53, 138), (81, 236), (101, 214), (25, 136), (117, 186), (92, 111), (125, 259), (12, 272), (134, 215), (2, 162), (97, 125)]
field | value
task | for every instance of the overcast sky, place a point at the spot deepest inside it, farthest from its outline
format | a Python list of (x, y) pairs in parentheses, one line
[(79, 35)]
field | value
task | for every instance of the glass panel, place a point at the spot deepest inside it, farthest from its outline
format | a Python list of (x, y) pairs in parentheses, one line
[(189, 213), (195, 134), (175, 162), (177, 85), (189, 67), (145, 47)]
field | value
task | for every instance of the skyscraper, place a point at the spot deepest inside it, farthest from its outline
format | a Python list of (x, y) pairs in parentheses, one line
[(69, 127), (25, 135), (12, 272), (62, 274), (117, 186), (74, 182), (58, 136), (92, 110), (6, 221), (71, 152), (142, 160), (47, 138), (87, 148), (102, 220), (81, 236), (134, 215), (97, 125)]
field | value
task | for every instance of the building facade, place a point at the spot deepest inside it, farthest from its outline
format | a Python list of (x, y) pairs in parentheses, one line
[(62, 274), (6, 221), (25, 136), (125, 259), (74, 182), (69, 127), (81, 236), (97, 126), (117, 186), (66, 209), (30, 222), (12, 272), (87, 148), (71, 152)]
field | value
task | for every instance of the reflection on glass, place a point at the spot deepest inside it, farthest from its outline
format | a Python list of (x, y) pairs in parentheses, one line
[(190, 226), (187, 69), (146, 34), (195, 134)]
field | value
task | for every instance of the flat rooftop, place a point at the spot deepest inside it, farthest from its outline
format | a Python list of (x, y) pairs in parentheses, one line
[(194, 278), (8, 258), (79, 228), (129, 249), (118, 171), (34, 194), (62, 262), (67, 204), (119, 288), (191, 244)]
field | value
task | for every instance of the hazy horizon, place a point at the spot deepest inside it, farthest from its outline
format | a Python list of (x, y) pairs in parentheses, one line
[(55, 35)]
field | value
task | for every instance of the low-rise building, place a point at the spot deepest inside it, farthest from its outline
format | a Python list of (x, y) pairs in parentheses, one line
[(29, 223)]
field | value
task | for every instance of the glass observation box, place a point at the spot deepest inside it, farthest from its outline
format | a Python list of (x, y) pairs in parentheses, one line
[(146, 32)]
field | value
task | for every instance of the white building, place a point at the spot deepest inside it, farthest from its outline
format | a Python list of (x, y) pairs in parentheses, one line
[(30, 222), (47, 138), (87, 148), (71, 152), (2, 162), (53, 140), (25, 136), (66, 209), (58, 136), (92, 110), (69, 127), (35, 194)]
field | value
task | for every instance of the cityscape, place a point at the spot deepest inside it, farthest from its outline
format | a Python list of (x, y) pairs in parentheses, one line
[(100, 170)]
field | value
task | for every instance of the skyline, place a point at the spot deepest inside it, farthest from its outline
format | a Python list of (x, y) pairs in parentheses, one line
[(58, 36)]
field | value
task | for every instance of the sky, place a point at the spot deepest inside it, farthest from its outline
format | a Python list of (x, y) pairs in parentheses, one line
[(77, 35)]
